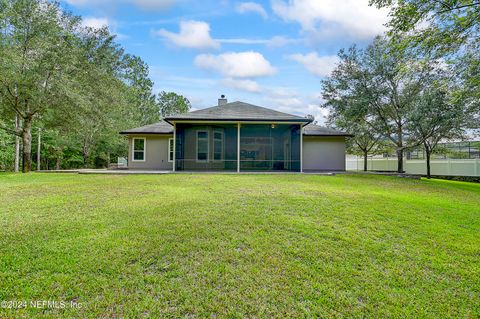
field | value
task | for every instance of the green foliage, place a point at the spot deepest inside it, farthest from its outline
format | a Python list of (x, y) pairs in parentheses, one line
[(74, 82), (439, 27), (38, 61), (445, 30), (171, 103), (372, 91), (7, 151), (436, 116), (140, 94)]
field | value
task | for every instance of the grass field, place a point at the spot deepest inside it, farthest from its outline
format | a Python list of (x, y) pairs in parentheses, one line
[(214, 246)]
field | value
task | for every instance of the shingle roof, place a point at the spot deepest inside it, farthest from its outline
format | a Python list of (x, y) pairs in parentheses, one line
[(316, 130), (161, 127), (237, 111)]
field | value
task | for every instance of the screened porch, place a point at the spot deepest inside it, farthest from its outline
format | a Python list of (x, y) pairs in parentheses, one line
[(237, 147)]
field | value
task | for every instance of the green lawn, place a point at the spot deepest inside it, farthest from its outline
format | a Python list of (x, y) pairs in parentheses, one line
[(214, 246)]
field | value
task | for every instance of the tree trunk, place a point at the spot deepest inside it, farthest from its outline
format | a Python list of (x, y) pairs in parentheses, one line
[(27, 144), (87, 147), (39, 149), (400, 149), (427, 155), (86, 156), (58, 163), (400, 161), (365, 158), (17, 144), (59, 158), (85, 160)]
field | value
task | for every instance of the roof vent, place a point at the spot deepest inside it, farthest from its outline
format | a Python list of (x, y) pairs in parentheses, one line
[(222, 100)]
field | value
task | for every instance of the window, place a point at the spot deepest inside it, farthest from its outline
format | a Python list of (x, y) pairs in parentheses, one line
[(138, 153), (202, 146), (170, 149), (217, 145)]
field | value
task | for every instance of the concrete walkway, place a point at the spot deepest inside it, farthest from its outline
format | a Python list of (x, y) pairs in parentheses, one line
[(120, 172), (103, 171), (158, 172)]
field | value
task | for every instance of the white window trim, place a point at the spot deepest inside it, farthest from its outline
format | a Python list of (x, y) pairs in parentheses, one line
[(170, 150), (144, 149), (208, 145), (222, 152)]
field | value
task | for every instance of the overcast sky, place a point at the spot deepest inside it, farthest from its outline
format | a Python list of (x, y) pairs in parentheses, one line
[(270, 53)]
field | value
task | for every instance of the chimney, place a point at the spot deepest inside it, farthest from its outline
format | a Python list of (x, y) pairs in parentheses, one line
[(222, 100)]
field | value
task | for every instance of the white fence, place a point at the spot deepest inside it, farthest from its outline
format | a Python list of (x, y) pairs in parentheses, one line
[(450, 167)]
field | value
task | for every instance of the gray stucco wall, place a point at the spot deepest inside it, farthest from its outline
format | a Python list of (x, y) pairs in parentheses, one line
[(323, 153), (156, 153)]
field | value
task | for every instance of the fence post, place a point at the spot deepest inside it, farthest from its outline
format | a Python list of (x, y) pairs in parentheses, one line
[(475, 170), (449, 169)]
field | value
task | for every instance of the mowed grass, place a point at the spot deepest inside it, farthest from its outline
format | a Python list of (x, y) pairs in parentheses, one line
[(215, 246)]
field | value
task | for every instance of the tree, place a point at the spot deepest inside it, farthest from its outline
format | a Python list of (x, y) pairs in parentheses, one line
[(37, 61), (467, 92), (140, 90), (7, 144), (435, 117), (74, 82), (172, 103), (364, 141), (447, 30), (378, 87)]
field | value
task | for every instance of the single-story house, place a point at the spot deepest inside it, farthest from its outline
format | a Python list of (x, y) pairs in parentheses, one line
[(236, 137)]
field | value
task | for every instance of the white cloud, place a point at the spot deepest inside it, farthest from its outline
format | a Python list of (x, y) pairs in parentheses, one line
[(276, 41), (79, 3), (142, 4), (354, 18), (244, 85), (285, 99), (317, 65), (288, 100), (247, 64), (95, 23), (193, 34), (320, 114), (98, 23), (245, 7), (242, 41), (279, 41)]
